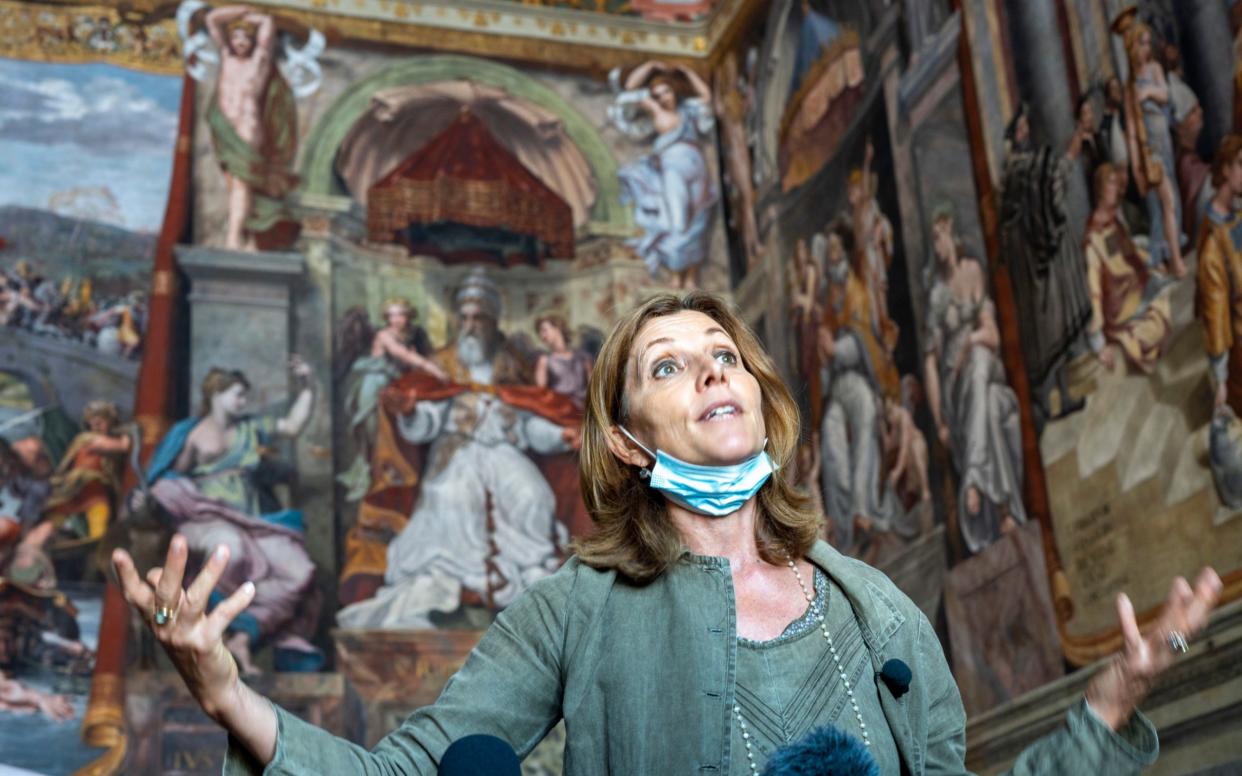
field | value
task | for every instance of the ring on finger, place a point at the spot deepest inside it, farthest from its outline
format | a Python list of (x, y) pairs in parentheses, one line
[(164, 615), (1177, 642)]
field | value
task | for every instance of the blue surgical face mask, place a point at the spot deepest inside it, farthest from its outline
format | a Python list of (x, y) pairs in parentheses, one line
[(709, 490)]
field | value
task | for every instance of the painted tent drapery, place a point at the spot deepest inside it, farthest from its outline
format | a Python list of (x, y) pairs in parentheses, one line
[(464, 178)]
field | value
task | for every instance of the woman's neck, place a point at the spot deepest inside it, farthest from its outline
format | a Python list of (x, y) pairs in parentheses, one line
[(1222, 201), (731, 536), (221, 417)]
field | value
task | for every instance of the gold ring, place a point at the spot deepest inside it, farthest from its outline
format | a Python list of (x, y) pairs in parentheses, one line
[(164, 615)]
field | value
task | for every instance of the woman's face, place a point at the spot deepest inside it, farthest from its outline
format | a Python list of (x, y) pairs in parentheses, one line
[(689, 393), (942, 238), (398, 317), (231, 400), (836, 250), (550, 335), (1109, 193), (1142, 50)]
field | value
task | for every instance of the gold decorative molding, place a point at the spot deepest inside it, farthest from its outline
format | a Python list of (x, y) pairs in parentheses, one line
[(143, 35), (90, 32)]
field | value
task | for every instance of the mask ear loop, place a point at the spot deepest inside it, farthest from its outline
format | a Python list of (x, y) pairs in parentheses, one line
[(643, 471)]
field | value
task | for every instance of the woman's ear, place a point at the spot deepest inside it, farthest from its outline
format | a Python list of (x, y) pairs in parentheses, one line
[(625, 449)]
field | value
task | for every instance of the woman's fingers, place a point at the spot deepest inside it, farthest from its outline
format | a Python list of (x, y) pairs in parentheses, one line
[(1200, 600), (226, 610), (137, 592), (199, 591), (1132, 639), (168, 592)]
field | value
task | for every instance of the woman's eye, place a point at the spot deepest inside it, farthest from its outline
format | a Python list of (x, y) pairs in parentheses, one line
[(664, 369), (726, 357)]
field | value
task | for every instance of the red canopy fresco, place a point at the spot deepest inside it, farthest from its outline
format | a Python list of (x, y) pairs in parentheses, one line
[(463, 197)]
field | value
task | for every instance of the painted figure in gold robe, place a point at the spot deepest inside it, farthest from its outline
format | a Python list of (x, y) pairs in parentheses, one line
[(857, 372), (873, 235), (1129, 306), (1219, 289), (88, 480)]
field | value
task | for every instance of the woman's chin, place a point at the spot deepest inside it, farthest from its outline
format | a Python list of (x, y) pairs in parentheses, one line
[(731, 451)]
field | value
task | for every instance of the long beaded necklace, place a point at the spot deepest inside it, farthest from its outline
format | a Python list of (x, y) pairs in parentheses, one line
[(845, 680)]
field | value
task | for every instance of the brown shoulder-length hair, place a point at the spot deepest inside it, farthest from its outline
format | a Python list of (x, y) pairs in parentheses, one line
[(1226, 152), (633, 534), (218, 381)]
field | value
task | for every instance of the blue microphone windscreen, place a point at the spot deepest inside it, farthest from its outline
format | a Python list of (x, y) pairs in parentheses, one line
[(824, 751), (480, 755)]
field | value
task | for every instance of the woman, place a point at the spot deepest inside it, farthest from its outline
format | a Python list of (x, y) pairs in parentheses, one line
[(975, 410), (1129, 309), (672, 187), (686, 591), (1148, 112), (376, 358), (562, 369), (210, 474)]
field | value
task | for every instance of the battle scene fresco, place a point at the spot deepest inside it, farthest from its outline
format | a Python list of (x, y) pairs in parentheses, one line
[(328, 288), (77, 224)]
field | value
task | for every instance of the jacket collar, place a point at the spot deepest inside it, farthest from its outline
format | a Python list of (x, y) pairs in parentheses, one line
[(879, 618), (877, 612)]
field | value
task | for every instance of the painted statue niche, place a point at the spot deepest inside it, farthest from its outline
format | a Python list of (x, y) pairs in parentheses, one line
[(213, 476), (673, 187), (473, 491), (253, 113)]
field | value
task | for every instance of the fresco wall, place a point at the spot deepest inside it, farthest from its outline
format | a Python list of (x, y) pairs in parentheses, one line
[(88, 152), (994, 280), (995, 341)]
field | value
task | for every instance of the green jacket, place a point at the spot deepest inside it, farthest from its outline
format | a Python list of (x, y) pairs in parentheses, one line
[(644, 679)]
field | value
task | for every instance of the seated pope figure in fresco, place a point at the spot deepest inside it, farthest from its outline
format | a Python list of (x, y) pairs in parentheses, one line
[(211, 476), (484, 525)]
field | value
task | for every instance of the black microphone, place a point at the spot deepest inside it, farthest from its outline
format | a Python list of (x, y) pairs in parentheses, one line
[(480, 755), (824, 751), (896, 675)]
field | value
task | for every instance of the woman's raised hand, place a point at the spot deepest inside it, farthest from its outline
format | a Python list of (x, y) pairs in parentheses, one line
[(1115, 691), (192, 636)]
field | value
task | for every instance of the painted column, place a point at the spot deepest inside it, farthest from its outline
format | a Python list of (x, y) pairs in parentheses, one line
[(1207, 52), (1043, 82)]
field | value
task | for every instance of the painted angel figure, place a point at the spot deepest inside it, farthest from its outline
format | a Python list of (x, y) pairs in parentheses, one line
[(673, 188), (253, 114)]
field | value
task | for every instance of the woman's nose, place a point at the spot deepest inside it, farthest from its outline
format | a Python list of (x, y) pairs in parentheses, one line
[(711, 371)]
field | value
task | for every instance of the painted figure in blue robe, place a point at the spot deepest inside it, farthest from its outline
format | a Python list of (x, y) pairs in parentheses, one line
[(673, 188), (212, 478)]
